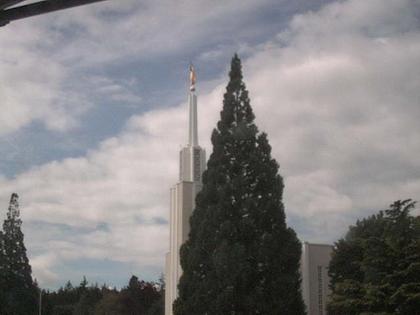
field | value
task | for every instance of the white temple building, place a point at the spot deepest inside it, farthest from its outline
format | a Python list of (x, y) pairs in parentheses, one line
[(182, 199)]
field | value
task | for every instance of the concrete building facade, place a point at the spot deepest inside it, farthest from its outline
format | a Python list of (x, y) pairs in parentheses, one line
[(315, 280)]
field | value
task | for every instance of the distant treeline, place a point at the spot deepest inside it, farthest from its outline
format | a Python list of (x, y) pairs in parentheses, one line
[(137, 298)]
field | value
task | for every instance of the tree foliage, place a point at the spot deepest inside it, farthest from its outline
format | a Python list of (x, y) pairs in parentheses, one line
[(138, 298), (110, 304), (240, 258), (18, 292), (375, 269)]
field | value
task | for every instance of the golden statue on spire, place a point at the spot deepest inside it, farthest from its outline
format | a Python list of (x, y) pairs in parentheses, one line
[(192, 78)]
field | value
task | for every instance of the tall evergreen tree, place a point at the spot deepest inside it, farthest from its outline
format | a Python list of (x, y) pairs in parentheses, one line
[(375, 269), (19, 291), (241, 258)]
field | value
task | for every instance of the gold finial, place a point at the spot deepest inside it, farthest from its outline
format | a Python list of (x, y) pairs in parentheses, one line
[(192, 78)]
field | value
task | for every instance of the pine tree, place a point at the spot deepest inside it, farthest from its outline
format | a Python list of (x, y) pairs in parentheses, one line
[(20, 294), (375, 269), (241, 258)]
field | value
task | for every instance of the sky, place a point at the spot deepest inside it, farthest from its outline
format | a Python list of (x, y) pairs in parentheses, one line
[(94, 113)]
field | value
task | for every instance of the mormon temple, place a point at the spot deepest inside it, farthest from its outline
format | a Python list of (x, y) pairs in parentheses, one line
[(192, 162)]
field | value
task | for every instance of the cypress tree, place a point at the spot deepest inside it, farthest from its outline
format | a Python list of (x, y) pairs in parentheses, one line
[(240, 258), (19, 291)]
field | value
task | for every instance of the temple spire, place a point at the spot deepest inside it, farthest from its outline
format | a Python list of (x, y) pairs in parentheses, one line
[(192, 163), (192, 78), (192, 100)]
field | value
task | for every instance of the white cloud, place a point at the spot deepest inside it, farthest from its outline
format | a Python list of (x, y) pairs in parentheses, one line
[(45, 59), (340, 103), (315, 194), (41, 266), (31, 84), (337, 93), (147, 29)]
